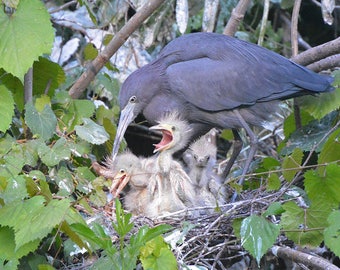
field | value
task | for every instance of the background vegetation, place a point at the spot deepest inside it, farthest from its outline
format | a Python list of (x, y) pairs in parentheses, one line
[(53, 207)]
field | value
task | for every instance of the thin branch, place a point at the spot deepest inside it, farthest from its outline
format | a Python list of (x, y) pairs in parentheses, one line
[(236, 17), (311, 261), (317, 53), (332, 61), (264, 22), (294, 27), (118, 40), (28, 85)]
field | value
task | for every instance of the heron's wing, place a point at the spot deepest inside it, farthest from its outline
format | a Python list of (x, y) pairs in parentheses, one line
[(215, 72)]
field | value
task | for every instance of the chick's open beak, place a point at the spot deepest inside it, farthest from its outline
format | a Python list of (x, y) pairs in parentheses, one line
[(167, 137), (119, 182)]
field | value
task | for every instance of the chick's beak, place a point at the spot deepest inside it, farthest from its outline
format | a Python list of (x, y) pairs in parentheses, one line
[(120, 180), (167, 137)]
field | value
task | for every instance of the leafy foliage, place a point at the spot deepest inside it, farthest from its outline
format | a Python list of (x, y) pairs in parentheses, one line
[(19, 28)]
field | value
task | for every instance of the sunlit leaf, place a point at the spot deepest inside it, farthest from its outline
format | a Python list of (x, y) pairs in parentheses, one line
[(25, 35), (258, 235), (274, 209), (273, 182), (92, 132)]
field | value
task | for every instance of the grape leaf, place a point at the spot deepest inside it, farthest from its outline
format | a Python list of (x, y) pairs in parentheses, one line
[(332, 232), (92, 132)]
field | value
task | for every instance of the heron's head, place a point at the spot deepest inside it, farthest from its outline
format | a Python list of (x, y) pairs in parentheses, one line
[(135, 94), (175, 133)]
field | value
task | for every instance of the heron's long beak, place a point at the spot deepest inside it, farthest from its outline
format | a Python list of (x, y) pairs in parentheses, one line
[(126, 117)]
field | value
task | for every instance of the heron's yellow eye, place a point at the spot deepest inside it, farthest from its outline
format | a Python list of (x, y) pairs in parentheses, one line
[(133, 99)]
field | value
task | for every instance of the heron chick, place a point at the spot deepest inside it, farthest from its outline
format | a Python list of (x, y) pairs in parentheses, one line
[(130, 175), (200, 158), (174, 188)]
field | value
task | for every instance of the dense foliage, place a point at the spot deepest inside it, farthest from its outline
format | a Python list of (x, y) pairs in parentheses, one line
[(51, 201)]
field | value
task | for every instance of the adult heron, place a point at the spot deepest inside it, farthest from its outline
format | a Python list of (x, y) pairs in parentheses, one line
[(214, 80)]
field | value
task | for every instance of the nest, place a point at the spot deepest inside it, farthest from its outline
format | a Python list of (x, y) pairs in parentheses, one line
[(207, 240)]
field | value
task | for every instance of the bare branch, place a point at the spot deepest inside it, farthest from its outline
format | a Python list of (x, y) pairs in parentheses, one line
[(294, 28), (28, 85), (332, 61), (237, 16), (317, 53), (117, 41), (311, 261)]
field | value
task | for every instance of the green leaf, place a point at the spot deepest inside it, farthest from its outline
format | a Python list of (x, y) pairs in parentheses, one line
[(156, 255), (322, 104), (47, 76), (309, 135), (25, 35), (290, 163), (332, 232), (43, 123), (330, 151), (15, 86), (326, 185), (123, 225), (73, 111), (13, 161), (9, 250), (305, 226), (6, 108), (273, 182), (258, 235), (31, 219), (289, 125), (274, 208), (15, 190), (92, 132), (58, 152)]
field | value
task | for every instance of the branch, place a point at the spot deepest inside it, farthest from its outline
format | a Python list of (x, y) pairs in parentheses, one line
[(117, 41), (317, 53), (294, 27), (332, 61), (309, 260), (236, 17)]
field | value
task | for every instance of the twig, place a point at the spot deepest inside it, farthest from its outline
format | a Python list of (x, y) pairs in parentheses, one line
[(118, 40), (309, 260), (236, 17)]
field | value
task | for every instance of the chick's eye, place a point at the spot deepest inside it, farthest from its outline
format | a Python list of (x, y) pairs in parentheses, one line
[(122, 171), (173, 128), (133, 99)]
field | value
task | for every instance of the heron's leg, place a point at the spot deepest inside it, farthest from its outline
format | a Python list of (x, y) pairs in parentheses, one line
[(253, 148), (237, 147)]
